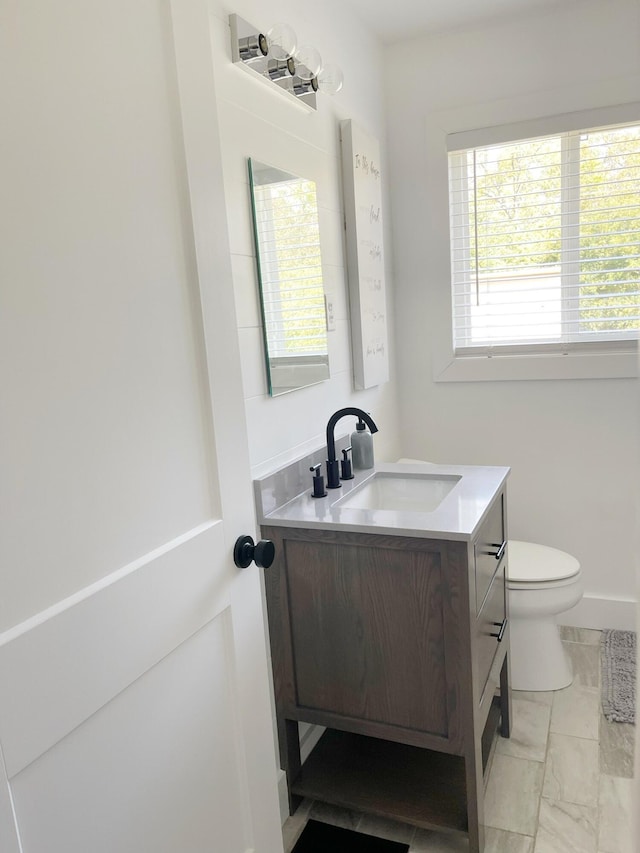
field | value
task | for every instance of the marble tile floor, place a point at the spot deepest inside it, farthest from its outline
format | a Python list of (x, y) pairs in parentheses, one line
[(563, 782)]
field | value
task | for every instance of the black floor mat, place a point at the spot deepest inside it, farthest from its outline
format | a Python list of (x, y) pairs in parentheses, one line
[(323, 838)]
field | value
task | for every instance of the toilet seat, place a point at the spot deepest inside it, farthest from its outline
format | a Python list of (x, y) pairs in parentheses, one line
[(531, 565)]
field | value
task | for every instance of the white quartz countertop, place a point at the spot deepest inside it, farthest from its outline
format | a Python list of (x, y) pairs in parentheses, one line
[(458, 516)]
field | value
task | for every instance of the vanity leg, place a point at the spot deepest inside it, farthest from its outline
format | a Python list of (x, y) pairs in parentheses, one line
[(475, 798), (505, 699), (289, 737)]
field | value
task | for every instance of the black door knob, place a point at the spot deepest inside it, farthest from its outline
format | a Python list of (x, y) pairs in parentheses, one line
[(245, 551)]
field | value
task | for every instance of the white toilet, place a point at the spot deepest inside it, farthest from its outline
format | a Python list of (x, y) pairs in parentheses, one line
[(542, 582)]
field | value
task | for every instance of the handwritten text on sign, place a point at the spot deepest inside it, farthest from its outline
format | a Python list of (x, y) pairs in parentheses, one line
[(365, 255)]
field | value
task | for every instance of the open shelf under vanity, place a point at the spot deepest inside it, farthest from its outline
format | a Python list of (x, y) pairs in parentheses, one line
[(406, 783)]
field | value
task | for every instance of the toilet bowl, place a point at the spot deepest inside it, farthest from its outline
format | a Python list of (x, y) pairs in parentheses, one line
[(542, 582)]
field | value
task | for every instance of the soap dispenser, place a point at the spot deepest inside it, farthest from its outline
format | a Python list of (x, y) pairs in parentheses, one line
[(362, 444)]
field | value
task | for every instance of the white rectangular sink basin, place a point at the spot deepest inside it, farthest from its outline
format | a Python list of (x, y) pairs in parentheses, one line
[(402, 492)]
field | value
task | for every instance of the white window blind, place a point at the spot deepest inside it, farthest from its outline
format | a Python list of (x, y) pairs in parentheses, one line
[(545, 241)]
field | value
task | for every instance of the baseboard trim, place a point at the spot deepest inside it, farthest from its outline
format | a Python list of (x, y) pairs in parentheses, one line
[(283, 797), (600, 612), (308, 739)]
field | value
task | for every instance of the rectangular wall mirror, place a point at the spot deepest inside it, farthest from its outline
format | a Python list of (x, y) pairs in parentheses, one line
[(287, 234)]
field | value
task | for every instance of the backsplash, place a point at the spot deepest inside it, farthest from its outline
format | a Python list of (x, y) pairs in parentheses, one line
[(284, 484)]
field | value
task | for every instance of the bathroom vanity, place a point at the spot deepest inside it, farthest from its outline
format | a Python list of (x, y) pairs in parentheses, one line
[(388, 625)]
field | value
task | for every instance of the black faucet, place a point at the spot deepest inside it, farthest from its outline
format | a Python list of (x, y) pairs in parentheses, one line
[(333, 475)]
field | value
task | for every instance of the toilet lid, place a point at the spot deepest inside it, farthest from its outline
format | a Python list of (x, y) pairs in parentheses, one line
[(534, 563)]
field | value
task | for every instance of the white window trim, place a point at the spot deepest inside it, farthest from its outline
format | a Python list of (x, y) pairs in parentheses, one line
[(600, 363)]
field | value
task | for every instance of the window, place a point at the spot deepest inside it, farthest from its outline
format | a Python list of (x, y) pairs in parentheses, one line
[(545, 241)]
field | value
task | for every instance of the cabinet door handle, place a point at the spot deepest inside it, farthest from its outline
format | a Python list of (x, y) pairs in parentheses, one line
[(502, 625), (500, 552)]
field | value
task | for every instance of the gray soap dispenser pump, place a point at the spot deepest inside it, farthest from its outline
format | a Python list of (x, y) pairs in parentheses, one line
[(362, 444)]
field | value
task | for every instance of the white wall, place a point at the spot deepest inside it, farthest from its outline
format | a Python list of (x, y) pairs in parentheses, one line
[(572, 444), (257, 121)]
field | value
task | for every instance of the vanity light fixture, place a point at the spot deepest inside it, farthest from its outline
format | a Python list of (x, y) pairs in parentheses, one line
[(275, 57)]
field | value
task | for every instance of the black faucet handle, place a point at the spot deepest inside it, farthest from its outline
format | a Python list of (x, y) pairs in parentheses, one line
[(318, 482), (345, 465)]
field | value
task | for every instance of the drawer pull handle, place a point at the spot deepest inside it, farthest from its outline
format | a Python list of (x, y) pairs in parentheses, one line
[(502, 625), (500, 552)]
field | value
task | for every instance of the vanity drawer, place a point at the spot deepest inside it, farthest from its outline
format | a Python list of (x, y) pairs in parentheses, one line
[(490, 626), (489, 550)]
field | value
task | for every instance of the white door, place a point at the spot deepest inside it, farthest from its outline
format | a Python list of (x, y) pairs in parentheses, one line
[(134, 701)]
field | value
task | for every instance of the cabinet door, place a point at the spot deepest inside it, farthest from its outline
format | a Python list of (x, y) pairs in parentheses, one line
[(367, 632)]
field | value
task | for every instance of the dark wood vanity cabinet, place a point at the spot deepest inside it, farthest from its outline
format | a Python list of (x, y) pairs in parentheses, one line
[(398, 646)]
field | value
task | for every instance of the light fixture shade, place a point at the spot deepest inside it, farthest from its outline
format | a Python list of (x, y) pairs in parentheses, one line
[(330, 79), (308, 62), (282, 41)]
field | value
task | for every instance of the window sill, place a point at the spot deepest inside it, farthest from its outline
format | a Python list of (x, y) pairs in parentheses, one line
[(498, 368)]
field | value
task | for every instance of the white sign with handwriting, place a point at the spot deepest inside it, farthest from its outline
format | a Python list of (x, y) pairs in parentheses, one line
[(365, 255)]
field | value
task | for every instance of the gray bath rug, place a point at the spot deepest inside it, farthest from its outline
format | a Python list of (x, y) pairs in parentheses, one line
[(618, 659)]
